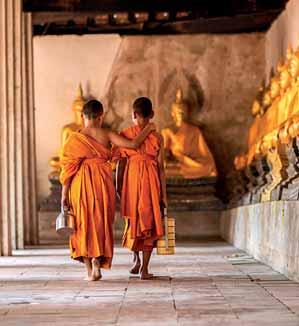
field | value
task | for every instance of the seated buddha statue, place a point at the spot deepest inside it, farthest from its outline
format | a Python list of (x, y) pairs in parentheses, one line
[(68, 129), (270, 118), (289, 54), (284, 103), (187, 153), (294, 88), (257, 111), (266, 101), (257, 108)]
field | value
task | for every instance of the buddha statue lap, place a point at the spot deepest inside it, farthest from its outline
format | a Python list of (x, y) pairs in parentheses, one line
[(187, 153)]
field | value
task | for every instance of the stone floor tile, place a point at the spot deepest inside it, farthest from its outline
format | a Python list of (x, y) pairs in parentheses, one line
[(204, 284)]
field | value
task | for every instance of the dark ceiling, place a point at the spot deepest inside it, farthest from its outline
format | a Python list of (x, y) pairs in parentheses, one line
[(152, 16)]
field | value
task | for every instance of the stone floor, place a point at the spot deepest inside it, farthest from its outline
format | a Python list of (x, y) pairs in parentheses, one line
[(208, 283)]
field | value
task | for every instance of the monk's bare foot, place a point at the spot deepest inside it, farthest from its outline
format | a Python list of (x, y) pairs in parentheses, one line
[(88, 275), (96, 271), (146, 276), (136, 268)]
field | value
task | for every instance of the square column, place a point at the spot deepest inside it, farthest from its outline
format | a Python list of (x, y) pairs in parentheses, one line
[(18, 218)]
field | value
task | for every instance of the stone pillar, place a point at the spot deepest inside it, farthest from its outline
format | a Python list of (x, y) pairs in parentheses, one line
[(18, 221)]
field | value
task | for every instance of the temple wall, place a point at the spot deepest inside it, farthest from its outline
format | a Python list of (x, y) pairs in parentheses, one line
[(284, 31), (60, 64), (268, 231), (219, 75)]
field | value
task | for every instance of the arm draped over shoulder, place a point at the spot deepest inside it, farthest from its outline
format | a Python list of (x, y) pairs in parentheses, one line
[(70, 159)]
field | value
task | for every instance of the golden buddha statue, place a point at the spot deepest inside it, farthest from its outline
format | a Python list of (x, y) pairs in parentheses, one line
[(69, 128), (270, 119), (187, 154), (257, 111), (266, 101), (294, 88), (257, 107), (274, 88), (284, 83)]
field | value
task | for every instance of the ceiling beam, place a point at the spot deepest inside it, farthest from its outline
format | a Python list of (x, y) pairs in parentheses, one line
[(152, 16), (224, 7), (236, 24)]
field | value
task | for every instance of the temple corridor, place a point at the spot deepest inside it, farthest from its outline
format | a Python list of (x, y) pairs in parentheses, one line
[(209, 283)]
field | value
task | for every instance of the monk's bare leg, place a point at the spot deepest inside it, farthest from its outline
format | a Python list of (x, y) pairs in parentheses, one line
[(136, 267), (144, 274), (87, 262), (96, 270)]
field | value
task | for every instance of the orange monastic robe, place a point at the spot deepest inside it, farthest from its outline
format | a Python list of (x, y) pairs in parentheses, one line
[(141, 193), (92, 197)]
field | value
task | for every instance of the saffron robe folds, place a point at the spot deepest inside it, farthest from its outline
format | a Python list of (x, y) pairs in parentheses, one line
[(141, 193), (86, 163)]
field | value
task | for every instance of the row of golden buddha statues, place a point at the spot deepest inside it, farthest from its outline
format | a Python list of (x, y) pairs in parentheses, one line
[(270, 168)]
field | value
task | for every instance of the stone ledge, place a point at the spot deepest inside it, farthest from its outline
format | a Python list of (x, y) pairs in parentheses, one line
[(269, 231)]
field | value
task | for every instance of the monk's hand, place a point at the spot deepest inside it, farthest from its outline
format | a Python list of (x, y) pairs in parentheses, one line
[(64, 201)]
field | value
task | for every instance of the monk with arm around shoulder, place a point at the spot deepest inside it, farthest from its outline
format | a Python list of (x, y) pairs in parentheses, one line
[(143, 189), (88, 188)]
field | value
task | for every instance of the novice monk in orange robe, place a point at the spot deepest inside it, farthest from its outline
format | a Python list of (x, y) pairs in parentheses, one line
[(88, 188), (143, 189)]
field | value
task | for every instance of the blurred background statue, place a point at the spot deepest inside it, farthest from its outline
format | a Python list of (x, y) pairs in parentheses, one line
[(187, 153)]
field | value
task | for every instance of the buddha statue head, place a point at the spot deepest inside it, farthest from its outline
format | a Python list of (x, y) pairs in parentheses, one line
[(257, 107), (284, 78), (179, 109), (78, 106), (294, 65), (274, 88), (266, 101)]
